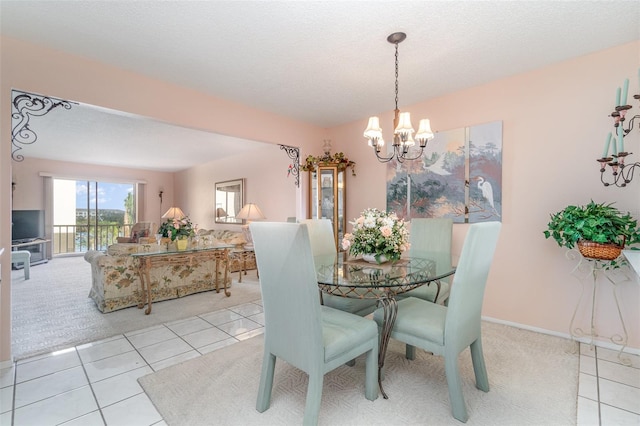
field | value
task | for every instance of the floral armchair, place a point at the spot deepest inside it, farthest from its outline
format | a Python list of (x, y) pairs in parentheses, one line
[(141, 232)]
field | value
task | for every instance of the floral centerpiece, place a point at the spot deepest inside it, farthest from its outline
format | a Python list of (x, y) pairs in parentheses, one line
[(178, 228), (377, 233)]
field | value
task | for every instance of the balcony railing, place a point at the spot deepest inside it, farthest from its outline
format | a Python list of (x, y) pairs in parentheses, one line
[(80, 238)]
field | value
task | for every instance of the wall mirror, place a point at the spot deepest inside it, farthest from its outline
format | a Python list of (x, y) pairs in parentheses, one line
[(229, 200)]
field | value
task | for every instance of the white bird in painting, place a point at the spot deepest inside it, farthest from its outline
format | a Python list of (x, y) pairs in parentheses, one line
[(437, 167), (487, 190)]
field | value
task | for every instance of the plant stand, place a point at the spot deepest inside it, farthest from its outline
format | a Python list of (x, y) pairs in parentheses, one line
[(590, 272)]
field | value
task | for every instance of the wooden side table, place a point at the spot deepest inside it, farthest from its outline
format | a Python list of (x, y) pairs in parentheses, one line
[(243, 255)]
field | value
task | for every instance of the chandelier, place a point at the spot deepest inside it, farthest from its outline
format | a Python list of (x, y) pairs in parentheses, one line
[(403, 134), (621, 172)]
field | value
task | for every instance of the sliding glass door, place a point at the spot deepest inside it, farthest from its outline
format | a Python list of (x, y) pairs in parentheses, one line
[(90, 215)]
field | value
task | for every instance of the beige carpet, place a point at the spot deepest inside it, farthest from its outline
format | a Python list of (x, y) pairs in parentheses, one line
[(533, 379), (52, 310)]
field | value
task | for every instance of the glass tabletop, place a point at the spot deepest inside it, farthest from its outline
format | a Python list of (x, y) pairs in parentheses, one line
[(156, 250), (341, 271)]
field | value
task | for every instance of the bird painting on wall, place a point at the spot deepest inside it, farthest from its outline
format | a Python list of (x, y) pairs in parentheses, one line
[(487, 193)]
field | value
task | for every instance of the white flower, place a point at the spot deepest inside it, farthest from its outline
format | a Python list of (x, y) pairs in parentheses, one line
[(377, 232)]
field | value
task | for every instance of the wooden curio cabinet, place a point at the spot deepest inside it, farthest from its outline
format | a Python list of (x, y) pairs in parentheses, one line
[(327, 196)]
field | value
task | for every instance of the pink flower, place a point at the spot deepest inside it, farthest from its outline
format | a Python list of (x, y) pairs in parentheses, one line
[(386, 231)]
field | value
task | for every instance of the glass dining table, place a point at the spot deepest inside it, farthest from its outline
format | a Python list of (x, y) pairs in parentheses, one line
[(348, 277)]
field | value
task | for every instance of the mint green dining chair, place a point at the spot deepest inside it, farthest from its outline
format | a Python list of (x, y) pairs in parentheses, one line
[(431, 238), (323, 247), (298, 329), (448, 330)]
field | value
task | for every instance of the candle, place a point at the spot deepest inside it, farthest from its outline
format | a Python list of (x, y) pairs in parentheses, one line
[(605, 153), (620, 139), (617, 97), (614, 148), (625, 90)]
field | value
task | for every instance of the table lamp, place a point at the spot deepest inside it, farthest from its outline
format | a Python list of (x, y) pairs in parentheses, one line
[(220, 213), (173, 213), (249, 212)]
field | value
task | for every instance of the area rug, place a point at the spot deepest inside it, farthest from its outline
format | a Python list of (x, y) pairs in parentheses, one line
[(533, 379), (53, 311)]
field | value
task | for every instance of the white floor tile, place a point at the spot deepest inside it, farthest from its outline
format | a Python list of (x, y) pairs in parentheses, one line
[(205, 337), (239, 326), (6, 418), (7, 376), (94, 418), (247, 309), (144, 330), (168, 362), (135, 411), (97, 351), (188, 326), (151, 337), (618, 417), (619, 373), (620, 396), (47, 365), (163, 350), (120, 387), (50, 385), (6, 399), (218, 345), (112, 366), (615, 356), (588, 365), (588, 413), (220, 317), (259, 318), (250, 334), (588, 386), (58, 409)]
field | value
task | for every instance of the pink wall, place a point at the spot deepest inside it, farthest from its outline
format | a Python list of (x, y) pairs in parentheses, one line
[(40, 70), (554, 120), (554, 125)]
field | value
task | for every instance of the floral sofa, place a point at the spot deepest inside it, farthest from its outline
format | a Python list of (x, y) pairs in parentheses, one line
[(115, 282)]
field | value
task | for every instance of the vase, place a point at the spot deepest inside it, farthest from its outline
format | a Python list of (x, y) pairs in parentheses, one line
[(182, 244), (371, 258)]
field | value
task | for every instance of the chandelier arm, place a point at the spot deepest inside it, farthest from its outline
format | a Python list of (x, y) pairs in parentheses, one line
[(383, 159)]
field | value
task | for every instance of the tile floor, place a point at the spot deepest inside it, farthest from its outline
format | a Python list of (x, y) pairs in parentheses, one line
[(608, 390), (96, 383)]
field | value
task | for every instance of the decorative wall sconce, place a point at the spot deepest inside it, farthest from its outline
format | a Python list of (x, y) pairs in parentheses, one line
[(622, 173)]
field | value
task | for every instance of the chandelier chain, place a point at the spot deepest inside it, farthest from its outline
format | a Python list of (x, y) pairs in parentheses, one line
[(396, 75)]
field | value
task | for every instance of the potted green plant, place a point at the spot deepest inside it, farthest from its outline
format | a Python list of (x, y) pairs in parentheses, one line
[(600, 231)]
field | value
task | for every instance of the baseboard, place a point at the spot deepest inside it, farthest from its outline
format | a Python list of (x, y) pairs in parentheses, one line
[(587, 340), (6, 364)]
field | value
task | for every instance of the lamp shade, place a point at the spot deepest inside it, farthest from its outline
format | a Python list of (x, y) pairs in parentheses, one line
[(220, 212), (373, 129), (173, 213), (424, 130), (404, 126), (250, 211)]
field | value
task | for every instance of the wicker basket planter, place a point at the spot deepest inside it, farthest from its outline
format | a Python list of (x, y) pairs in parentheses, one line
[(599, 251)]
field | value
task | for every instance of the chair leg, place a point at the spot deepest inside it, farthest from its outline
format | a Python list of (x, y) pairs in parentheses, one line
[(455, 387), (371, 375), (410, 352), (314, 397), (479, 367), (266, 381)]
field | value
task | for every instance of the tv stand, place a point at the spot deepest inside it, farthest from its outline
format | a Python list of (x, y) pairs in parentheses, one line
[(33, 245)]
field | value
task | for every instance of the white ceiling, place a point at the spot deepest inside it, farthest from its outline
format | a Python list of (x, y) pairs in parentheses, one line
[(324, 62)]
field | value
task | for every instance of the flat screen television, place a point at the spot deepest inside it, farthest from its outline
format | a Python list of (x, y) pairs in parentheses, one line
[(27, 225)]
